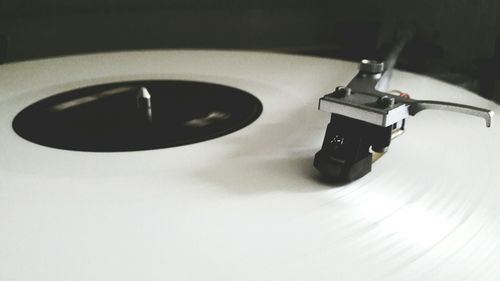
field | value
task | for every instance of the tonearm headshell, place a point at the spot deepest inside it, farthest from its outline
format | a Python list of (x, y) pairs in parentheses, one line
[(365, 118)]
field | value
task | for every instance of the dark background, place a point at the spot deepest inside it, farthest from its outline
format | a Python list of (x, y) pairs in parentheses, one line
[(455, 40)]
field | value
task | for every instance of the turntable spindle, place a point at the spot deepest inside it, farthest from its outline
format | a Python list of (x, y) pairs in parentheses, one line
[(144, 104)]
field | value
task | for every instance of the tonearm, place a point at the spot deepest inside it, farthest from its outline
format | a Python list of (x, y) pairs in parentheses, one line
[(365, 118)]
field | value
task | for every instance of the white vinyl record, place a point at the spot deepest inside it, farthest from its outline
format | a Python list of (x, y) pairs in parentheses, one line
[(248, 205)]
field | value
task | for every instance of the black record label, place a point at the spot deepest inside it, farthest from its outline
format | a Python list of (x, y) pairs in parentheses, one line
[(137, 115)]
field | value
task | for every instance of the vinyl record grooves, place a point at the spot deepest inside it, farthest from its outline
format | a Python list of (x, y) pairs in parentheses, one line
[(248, 205)]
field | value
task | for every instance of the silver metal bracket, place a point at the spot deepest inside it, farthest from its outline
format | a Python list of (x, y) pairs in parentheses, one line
[(363, 99)]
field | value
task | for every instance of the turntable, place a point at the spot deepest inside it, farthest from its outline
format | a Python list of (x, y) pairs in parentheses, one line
[(198, 165)]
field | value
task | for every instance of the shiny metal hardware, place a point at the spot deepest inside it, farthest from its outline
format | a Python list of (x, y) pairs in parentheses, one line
[(144, 104), (384, 109)]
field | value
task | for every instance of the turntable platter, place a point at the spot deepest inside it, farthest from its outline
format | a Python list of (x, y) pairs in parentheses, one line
[(247, 205)]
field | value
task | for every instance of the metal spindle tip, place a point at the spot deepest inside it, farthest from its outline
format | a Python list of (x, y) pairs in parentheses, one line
[(144, 93)]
